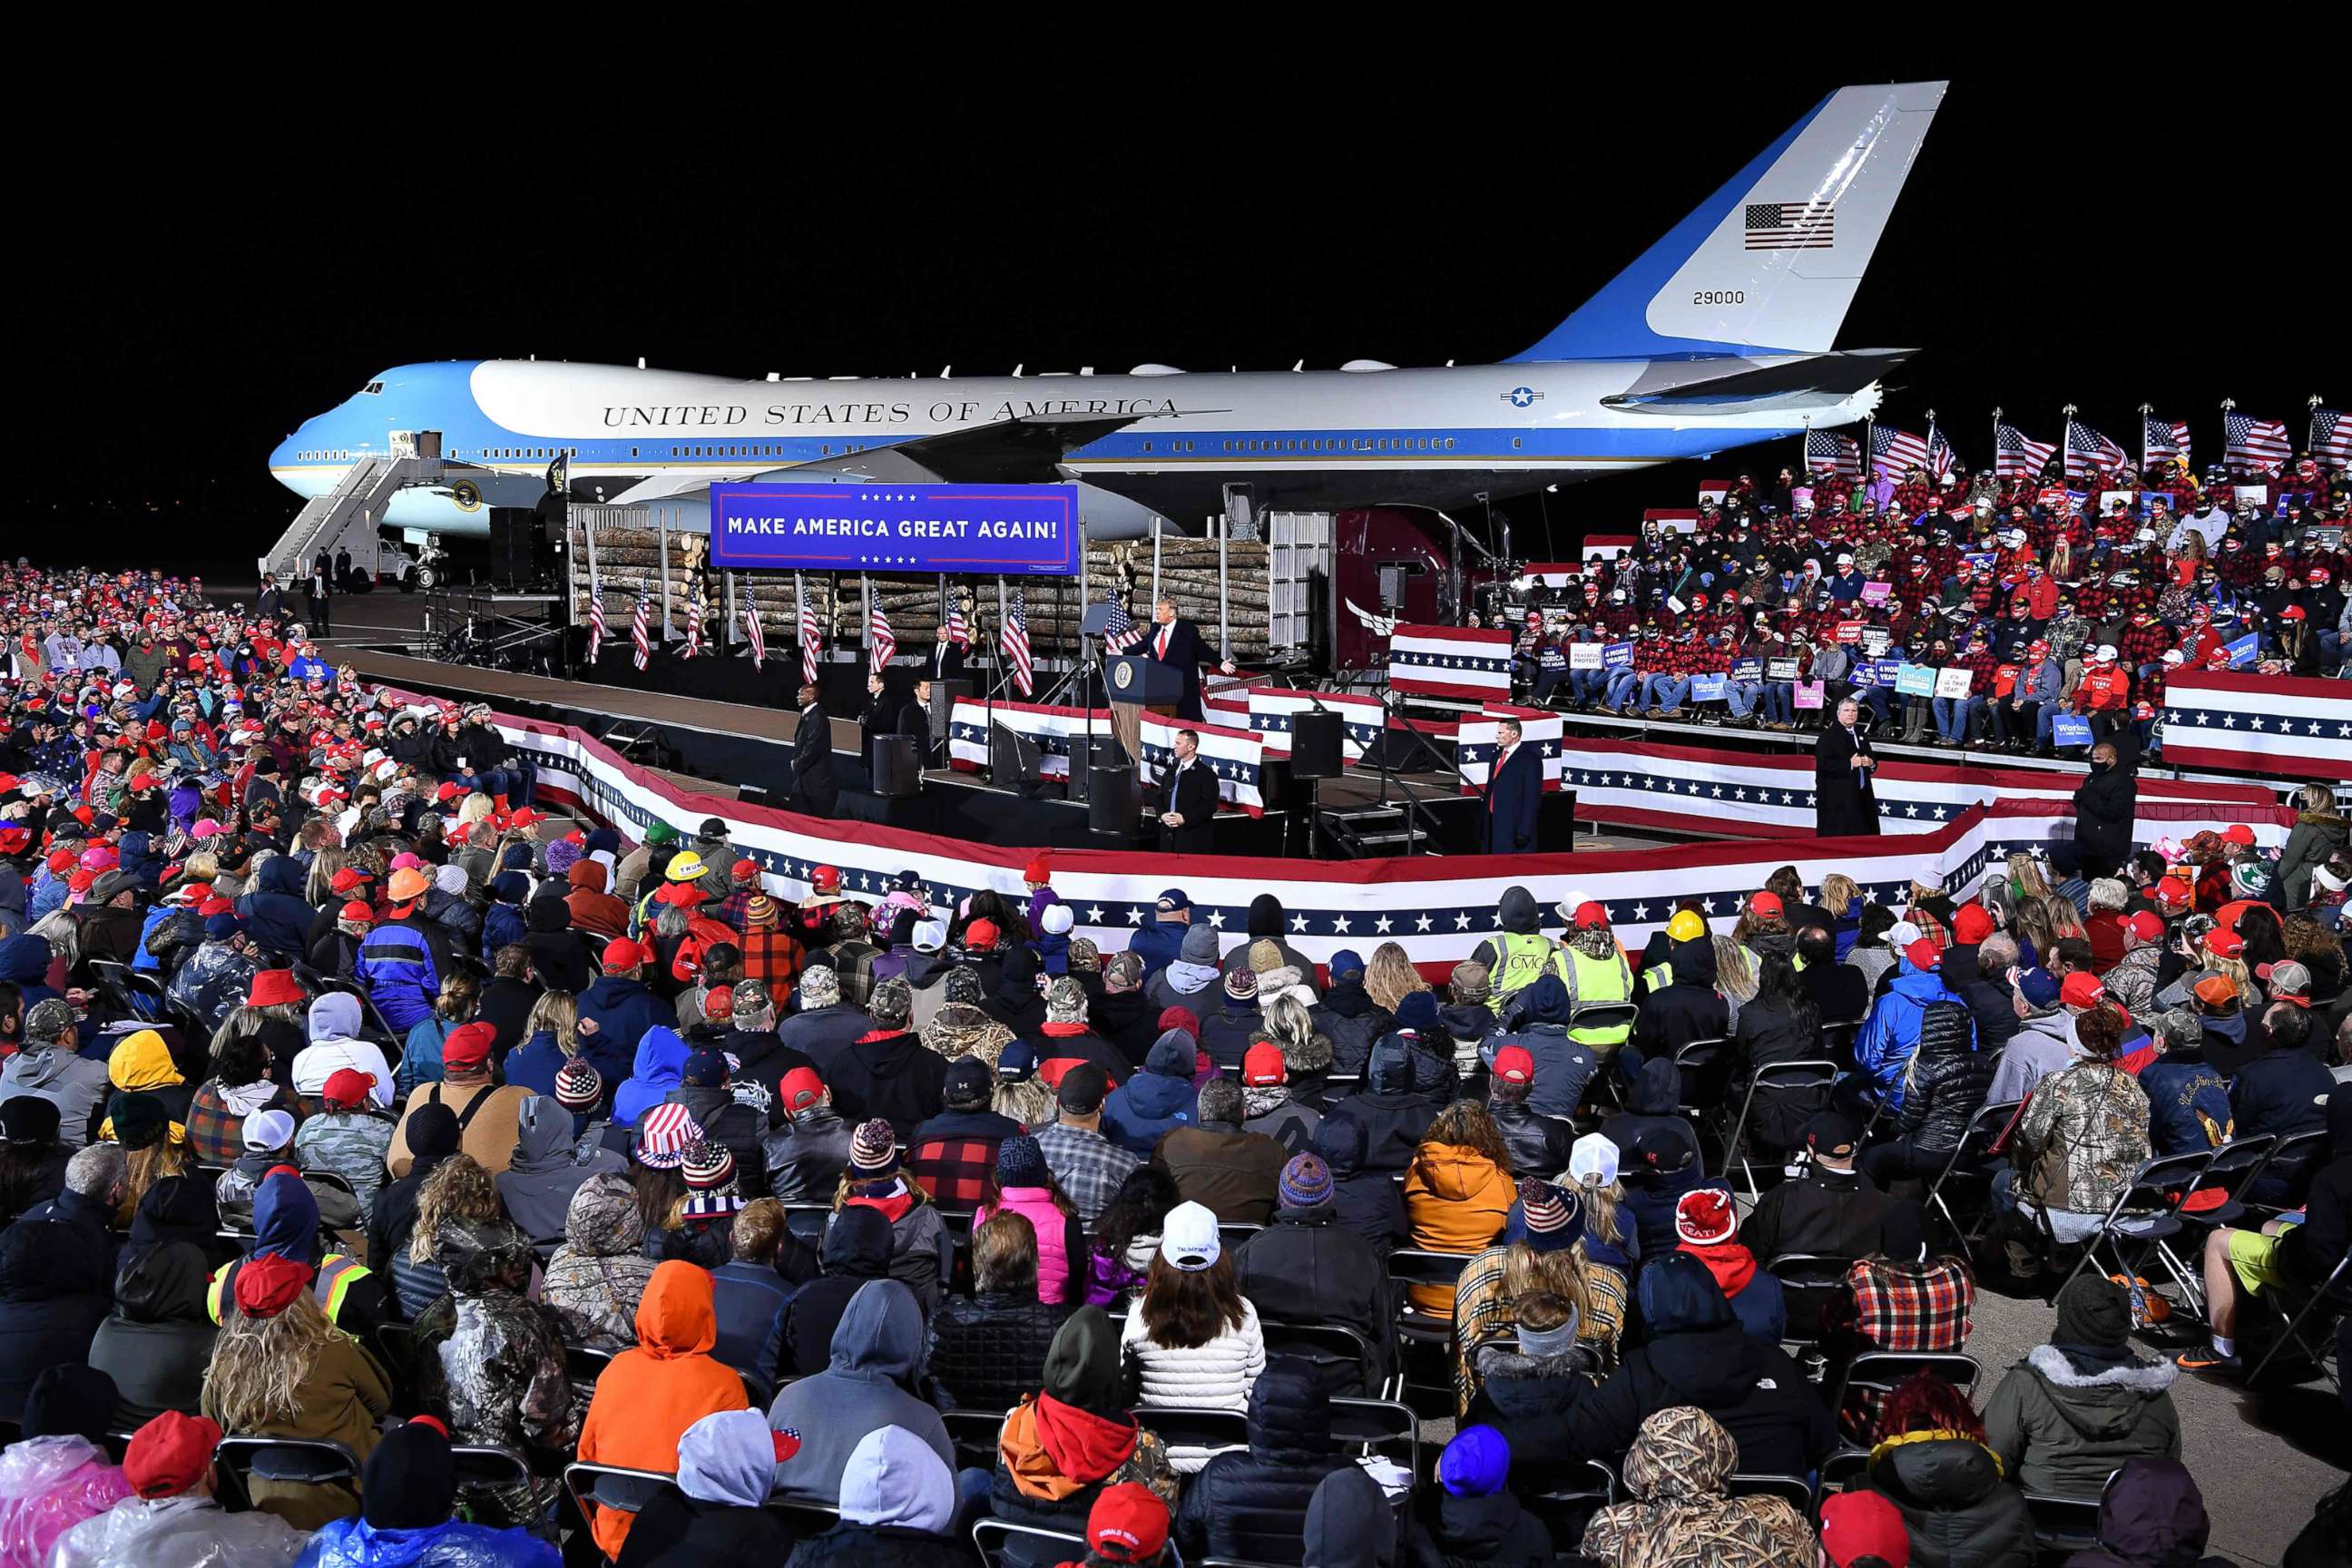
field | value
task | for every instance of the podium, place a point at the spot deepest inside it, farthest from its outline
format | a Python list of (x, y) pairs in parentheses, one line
[(1134, 682)]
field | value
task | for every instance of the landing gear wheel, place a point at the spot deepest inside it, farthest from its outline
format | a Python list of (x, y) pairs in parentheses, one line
[(421, 579)]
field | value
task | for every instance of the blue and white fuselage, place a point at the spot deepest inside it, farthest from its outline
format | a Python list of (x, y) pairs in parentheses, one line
[(1718, 337)]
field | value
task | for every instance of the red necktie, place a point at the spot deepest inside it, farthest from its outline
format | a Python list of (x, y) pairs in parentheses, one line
[(1159, 646)]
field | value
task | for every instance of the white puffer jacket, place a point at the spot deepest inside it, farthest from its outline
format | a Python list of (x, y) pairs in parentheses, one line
[(1214, 1376)]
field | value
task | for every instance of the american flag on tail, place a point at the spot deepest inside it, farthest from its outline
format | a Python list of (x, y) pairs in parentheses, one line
[(641, 633), (886, 641), (2331, 437), (2165, 438), (1120, 631), (596, 617), (1828, 449), (1895, 452), (2088, 452), (2251, 446), (751, 627), (2017, 456), (1014, 643), (808, 640)]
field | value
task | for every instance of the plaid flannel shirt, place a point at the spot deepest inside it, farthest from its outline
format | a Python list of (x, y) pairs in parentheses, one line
[(771, 955), (1089, 1167), (954, 1170), (1482, 1315), (1897, 1307)]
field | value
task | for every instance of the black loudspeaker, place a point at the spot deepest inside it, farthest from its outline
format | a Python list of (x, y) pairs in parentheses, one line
[(1315, 750), (1110, 800), (943, 700), (513, 535), (897, 768)]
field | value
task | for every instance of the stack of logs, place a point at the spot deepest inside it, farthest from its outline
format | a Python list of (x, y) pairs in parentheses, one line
[(629, 561)]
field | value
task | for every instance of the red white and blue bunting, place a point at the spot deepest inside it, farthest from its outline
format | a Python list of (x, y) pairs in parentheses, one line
[(1057, 732), (2288, 726), (1468, 662)]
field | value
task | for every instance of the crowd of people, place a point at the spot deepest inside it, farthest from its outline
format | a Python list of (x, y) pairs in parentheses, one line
[(352, 1104), (1805, 588)]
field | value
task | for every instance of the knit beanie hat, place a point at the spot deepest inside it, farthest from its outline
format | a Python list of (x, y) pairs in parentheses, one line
[(1241, 983), (1475, 1464), (1306, 1181), (1199, 945), (1705, 1217), (1020, 1162), (2093, 1311), (410, 1479), (709, 1163), (578, 1085), (873, 1149), (1552, 1217)]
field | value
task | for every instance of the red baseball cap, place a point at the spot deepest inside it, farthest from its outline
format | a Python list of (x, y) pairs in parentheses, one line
[(468, 1045), (1514, 1064), (980, 936), (826, 879), (1766, 904), (2224, 944), (347, 1085), (357, 912), (1262, 1065), (744, 871), (2082, 991), (1972, 925), (1924, 954), (1128, 1524), (274, 988), (2238, 832), (622, 954), (2172, 890), (2147, 925), (1861, 1523), (1591, 916), (801, 1089), (1182, 1019), (172, 1452)]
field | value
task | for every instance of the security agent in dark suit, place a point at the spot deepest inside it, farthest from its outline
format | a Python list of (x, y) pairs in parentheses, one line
[(1184, 803), (1845, 802), (947, 659), (813, 758), (1177, 641), (915, 719), (1514, 793), (878, 717)]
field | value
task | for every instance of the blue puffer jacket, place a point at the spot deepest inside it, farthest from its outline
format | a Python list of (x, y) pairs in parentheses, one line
[(1891, 1034), (395, 964), (355, 1544), (1154, 1100)]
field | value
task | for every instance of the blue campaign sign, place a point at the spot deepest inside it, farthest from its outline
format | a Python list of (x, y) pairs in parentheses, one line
[(1875, 672), (1617, 655), (2245, 651), (1015, 530), (2069, 729), (1707, 688), (1747, 670), (1915, 679)]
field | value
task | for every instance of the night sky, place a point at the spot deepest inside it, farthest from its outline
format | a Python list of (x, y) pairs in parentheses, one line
[(243, 251)]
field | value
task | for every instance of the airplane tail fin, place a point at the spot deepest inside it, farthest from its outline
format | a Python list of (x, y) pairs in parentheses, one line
[(1772, 260)]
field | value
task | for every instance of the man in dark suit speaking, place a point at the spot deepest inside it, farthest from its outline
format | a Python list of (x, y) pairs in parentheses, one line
[(813, 758), (1178, 642), (1514, 793), (1844, 801), (1184, 802)]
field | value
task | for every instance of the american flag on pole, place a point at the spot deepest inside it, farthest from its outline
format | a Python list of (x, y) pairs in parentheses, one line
[(2015, 457), (1941, 459), (959, 633), (1895, 452), (751, 627), (596, 617), (1789, 225), (2088, 452), (1828, 449), (641, 632), (808, 638), (2331, 437), (2251, 446), (2165, 438), (1119, 630), (1014, 643), (886, 642), (696, 608)]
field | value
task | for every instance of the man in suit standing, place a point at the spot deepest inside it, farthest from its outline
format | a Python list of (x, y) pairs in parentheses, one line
[(813, 758), (1185, 801), (1845, 804), (947, 658), (1178, 642), (1514, 793), (269, 604), (915, 719), (878, 717)]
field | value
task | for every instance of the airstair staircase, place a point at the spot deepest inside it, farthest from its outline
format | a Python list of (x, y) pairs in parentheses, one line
[(345, 518)]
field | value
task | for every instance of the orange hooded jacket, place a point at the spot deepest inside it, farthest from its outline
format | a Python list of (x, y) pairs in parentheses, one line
[(649, 1397)]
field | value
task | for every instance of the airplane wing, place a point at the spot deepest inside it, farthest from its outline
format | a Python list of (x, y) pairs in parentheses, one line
[(1010, 451)]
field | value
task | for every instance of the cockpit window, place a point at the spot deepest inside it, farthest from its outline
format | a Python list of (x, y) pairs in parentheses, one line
[(371, 388)]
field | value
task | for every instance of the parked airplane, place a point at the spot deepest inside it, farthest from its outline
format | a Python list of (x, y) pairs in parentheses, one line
[(1718, 336)]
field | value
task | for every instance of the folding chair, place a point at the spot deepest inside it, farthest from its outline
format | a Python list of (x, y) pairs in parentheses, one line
[(1414, 1266), (612, 1486), (2157, 1184), (2216, 1198), (1794, 1490), (487, 1466), (2064, 1524), (1215, 1430), (295, 1462), (1968, 1159), (583, 1365), (2291, 1333), (1382, 1427), (114, 983), (989, 1537), (1880, 1370), (1840, 1472), (757, 1390), (807, 1221), (1329, 1347), (1773, 1077), (1837, 1041), (975, 1433), (806, 1516), (1807, 1280), (1232, 1234), (1698, 1068), (2290, 1161)]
